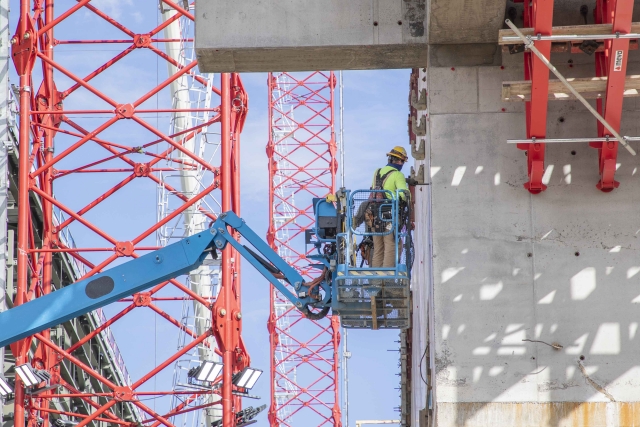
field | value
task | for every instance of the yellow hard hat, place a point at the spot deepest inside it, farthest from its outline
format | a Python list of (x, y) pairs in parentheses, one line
[(399, 152)]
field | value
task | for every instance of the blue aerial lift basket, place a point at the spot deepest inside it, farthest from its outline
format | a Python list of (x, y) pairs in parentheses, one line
[(365, 296)]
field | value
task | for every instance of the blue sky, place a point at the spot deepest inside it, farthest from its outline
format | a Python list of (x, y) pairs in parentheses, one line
[(375, 120)]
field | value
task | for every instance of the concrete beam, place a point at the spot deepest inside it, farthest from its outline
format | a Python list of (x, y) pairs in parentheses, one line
[(295, 35), (464, 55), (463, 21)]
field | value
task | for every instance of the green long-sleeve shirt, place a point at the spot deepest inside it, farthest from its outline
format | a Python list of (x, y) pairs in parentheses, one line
[(395, 180)]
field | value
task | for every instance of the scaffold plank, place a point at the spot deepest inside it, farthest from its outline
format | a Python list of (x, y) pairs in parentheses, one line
[(590, 88)]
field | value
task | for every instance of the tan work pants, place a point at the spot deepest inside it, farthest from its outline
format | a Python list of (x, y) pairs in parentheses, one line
[(384, 251)]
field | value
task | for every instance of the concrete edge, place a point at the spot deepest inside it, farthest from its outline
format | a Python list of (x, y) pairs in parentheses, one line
[(223, 60)]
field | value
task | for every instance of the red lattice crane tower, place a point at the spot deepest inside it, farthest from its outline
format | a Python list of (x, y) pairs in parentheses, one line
[(302, 165), (92, 154)]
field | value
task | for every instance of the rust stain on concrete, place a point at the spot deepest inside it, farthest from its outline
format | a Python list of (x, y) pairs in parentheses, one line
[(544, 414), (629, 414)]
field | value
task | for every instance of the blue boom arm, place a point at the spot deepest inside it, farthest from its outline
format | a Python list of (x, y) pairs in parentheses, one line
[(154, 268)]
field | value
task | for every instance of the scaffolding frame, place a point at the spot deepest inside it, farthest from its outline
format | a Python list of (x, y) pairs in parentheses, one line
[(611, 56)]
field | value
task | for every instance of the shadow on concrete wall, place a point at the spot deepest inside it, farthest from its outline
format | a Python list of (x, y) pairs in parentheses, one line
[(535, 296)]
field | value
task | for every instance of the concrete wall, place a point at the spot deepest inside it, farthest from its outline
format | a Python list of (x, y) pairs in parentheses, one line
[(465, 32), (295, 35), (560, 267), (422, 356)]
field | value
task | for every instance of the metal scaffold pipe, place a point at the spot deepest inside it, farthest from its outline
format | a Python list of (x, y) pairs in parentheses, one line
[(574, 37), (565, 140)]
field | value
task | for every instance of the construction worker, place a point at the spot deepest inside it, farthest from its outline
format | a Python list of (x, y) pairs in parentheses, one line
[(389, 178)]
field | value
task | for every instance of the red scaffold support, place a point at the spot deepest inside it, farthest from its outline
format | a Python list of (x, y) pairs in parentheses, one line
[(539, 15), (94, 171), (612, 63), (302, 165)]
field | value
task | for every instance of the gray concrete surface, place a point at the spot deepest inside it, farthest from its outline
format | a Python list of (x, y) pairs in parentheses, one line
[(294, 35), (463, 21), (464, 55), (506, 266), (422, 358)]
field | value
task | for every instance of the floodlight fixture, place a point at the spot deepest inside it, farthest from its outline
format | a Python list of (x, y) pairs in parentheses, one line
[(247, 378), (31, 377), (207, 371), (244, 417), (5, 387)]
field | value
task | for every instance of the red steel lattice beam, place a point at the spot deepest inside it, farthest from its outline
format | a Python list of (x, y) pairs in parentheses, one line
[(302, 165), (43, 121)]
